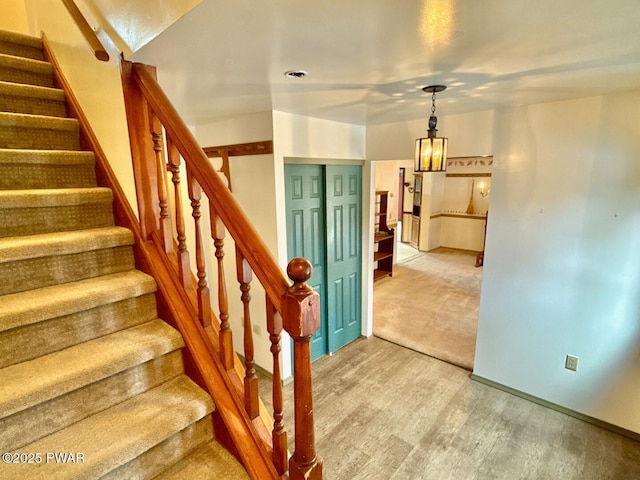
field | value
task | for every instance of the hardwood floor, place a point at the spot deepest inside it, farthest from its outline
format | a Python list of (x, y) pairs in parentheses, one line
[(385, 412)]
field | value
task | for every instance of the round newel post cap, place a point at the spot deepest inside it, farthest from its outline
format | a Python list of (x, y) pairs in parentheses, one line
[(299, 270), (302, 305)]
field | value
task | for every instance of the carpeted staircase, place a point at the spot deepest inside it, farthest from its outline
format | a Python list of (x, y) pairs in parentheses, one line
[(87, 370)]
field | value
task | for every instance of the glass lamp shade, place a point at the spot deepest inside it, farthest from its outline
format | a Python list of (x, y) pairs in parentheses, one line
[(431, 154)]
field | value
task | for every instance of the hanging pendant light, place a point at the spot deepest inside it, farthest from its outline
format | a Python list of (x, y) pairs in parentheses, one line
[(431, 152)]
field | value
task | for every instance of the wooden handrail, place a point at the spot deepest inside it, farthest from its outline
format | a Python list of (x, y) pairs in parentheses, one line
[(254, 250), (294, 308), (86, 30), (239, 149)]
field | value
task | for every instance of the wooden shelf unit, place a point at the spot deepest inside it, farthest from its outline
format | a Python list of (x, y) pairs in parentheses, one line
[(383, 240)]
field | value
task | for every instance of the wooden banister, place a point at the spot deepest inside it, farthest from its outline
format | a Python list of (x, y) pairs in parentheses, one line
[(174, 304), (254, 249), (294, 308), (86, 30)]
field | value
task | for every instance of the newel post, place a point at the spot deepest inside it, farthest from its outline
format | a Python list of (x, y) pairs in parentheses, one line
[(301, 320), (145, 169)]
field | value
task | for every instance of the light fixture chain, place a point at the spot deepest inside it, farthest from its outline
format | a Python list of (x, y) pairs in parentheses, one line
[(431, 151)]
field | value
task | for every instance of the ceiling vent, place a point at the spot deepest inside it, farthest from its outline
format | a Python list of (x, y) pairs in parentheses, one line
[(295, 74)]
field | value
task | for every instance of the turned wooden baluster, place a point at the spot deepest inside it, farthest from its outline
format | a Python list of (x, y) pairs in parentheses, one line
[(204, 302), (251, 401), (301, 320), (163, 197), (226, 340), (184, 267), (279, 434)]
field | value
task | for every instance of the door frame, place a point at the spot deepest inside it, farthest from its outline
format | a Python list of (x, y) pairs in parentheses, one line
[(368, 208)]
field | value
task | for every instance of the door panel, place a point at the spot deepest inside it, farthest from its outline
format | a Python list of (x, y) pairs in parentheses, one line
[(344, 259), (304, 190)]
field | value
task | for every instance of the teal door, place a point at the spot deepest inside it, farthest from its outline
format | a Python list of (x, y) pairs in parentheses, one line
[(344, 253), (306, 233), (324, 218)]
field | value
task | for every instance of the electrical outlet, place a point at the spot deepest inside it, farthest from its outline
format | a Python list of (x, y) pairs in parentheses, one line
[(571, 363)]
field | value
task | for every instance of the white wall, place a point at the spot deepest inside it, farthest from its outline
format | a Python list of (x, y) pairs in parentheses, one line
[(253, 184), (561, 272), (134, 24), (14, 16), (96, 84), (258, 185), (561, 269), (462, 233)]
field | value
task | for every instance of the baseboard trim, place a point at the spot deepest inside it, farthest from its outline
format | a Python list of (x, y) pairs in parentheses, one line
[(553, 406)]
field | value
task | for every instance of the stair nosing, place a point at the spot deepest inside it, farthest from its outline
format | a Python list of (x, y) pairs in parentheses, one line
[(26, 64), (38, 305), (14, 249), (45, 157), (54, 197), (20, 39), (35, 381), (30, 120), (32, 91)]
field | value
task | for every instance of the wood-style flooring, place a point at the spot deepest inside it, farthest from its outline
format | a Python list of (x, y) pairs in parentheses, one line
[(385, 412)]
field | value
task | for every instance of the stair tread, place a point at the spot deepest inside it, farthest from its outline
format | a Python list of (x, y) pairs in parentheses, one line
[(32, 306), (29, 120), (28, 64), (62, 243), (26, 384), (20, 38), (54, 197), (58, 157), (208, 461), (119, 434), (31, 91)]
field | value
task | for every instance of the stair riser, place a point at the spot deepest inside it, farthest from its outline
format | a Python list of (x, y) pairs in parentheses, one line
[(20, 50), (61, 332), (40, 138), (16, 75), (34, 106), (154, 461), (32, 273), (43, 419), (31, 221), (28, 176)]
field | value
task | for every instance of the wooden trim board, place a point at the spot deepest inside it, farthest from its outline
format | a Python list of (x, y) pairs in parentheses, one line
[(553, 406)]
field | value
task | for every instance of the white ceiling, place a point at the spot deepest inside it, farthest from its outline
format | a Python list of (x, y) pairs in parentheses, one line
[(368, 59)]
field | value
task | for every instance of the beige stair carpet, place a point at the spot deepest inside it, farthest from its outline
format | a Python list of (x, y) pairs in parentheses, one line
[(92, 383)]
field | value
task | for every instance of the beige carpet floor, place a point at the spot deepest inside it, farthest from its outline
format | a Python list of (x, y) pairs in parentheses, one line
[(431, 305)]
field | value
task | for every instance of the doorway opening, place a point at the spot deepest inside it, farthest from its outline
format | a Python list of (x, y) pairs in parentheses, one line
[(431, 304)]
